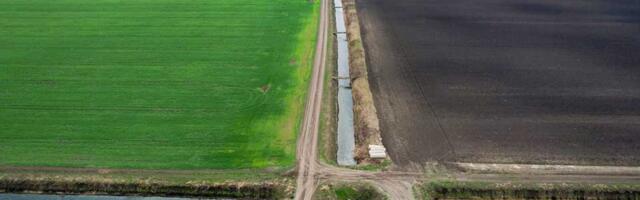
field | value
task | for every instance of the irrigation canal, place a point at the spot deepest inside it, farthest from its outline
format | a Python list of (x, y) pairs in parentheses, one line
[(346, 137)]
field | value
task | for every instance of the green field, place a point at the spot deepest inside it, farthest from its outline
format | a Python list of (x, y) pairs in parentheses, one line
[(153, 84)]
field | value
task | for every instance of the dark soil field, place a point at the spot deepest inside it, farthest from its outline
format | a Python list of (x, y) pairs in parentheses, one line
[(549, 82)]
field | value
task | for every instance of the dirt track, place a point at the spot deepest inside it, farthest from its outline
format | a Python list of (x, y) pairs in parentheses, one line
[(308, 139), (499, 81)]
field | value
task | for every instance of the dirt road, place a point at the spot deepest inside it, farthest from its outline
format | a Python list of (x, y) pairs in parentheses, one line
[(308, 140)]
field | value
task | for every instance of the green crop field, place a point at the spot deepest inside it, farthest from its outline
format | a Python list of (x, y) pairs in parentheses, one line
[(153, 84)]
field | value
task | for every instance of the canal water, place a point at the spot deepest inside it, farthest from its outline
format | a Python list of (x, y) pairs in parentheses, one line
[(346, 138)]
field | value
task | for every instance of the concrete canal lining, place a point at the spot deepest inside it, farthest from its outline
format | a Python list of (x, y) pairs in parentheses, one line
[(346, 139)]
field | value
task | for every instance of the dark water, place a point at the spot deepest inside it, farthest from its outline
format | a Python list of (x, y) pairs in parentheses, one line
[(85, 197)]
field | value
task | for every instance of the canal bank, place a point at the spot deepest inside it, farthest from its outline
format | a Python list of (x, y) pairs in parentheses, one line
[(252, 184), (90, 197)]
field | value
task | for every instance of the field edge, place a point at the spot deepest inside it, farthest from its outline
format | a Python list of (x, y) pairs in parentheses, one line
[(289, 122), (367, 123), (189, 183)]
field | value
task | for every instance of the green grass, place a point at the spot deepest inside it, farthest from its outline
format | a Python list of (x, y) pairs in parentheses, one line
[(351, 191), (345, 193), (327, 129), (164, 84)]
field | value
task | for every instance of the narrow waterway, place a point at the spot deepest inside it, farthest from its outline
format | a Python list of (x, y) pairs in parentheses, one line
[(346, 138)]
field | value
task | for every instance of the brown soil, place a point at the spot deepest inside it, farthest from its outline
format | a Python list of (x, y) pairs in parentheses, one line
[(367, 125), (499, 81), (486, 190)]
